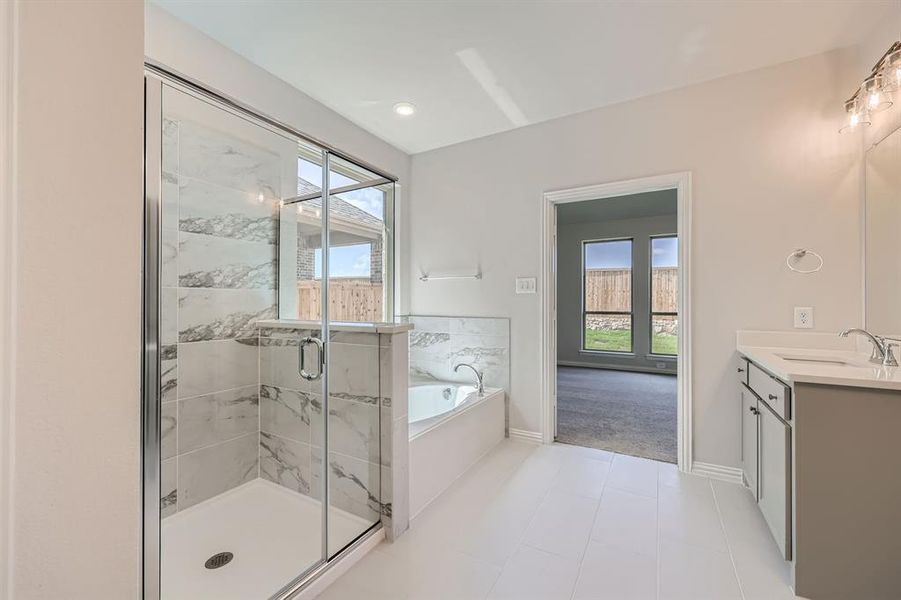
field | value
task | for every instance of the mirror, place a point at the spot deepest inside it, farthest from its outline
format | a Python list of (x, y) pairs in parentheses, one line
[(881, 237)]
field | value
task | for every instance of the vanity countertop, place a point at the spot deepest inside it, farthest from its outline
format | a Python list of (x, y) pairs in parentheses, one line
[(368, 327), (825, 359)]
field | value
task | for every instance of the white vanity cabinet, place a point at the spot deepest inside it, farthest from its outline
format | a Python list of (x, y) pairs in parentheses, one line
[(766, 448)]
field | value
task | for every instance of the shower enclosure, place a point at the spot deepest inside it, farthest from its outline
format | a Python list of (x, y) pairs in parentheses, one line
[(262, 452)]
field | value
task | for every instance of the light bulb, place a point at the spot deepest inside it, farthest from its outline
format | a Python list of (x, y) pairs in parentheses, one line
[(261, 198), (404, 109), (873, 100)]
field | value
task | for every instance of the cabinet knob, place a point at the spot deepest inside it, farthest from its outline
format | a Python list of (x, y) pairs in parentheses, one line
[(740, 370), (753, 410), (772, 397)]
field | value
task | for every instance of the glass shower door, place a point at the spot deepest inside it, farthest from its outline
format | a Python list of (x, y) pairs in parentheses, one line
[(239, 516), (262, 456)]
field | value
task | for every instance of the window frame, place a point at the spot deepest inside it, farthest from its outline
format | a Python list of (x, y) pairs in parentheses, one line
[(651, 312), (630, 312)]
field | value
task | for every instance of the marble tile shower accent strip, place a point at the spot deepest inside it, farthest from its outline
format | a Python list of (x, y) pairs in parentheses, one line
[(207, 367), (286, 462), (211, 314), (210, 471), (212, 210), (209, 262), (214, 418), (168, 373)]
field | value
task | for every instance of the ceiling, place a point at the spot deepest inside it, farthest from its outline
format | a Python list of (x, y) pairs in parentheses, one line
[(477, 68), (633, 206)]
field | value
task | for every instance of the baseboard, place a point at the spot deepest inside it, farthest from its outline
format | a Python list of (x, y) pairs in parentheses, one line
[(522, 435), (588, 365), (730, 474)]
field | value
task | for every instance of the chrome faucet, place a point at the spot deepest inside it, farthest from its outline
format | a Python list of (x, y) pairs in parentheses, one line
[(882, 347), (474, 370)]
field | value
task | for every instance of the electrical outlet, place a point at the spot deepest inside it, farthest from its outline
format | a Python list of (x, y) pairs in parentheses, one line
[(803, 317), (526, 285)]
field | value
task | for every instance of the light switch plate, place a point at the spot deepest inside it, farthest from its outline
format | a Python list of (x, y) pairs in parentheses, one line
[(803, 317), (526, 285)]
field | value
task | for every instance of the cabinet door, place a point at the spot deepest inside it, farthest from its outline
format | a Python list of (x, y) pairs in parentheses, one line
[(774, 476), (749, 417)]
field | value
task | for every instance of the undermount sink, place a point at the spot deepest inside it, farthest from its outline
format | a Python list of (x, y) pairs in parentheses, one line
[(821, 360)]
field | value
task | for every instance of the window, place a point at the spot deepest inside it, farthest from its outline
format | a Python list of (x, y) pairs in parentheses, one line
[(664, 294), (361, 252), (345, 261), (607, 296)]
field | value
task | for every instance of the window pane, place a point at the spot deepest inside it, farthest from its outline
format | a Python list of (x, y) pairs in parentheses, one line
[(664, 334), (612, 333), (608, 276), (664, 274)]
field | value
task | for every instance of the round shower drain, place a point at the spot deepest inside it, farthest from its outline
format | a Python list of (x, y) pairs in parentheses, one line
[(218, 560)]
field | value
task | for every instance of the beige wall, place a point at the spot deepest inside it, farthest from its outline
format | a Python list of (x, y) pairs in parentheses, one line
[(77, 377), (769, 174)]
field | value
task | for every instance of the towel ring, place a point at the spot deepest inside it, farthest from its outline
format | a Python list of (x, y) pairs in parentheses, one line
[(798, 255)]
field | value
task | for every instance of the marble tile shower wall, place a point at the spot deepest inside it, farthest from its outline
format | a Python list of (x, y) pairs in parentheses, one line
[(218, 277), (291, 420), (439, 343)]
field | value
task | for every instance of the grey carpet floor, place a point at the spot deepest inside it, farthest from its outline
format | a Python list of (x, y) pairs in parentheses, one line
[(620, 411)]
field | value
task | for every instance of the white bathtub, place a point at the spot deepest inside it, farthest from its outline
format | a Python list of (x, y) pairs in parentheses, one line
[(451, 428)]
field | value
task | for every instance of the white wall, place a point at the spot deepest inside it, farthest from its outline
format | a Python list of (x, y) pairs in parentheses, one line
[(770, 174), (186, 50), (76, 417)]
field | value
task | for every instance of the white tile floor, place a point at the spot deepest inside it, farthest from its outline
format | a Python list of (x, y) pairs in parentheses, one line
[(549, 522)]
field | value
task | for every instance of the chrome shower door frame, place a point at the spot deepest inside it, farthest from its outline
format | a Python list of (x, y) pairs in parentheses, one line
[(156, 77)]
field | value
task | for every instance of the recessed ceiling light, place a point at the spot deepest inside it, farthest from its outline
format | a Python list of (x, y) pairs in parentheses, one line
[(404, 109)]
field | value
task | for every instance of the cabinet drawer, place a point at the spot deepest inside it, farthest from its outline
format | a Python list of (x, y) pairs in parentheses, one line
[(741, 369), (772, 391)]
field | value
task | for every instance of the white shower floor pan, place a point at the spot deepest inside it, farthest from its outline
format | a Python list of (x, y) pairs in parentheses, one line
[(274, 534)]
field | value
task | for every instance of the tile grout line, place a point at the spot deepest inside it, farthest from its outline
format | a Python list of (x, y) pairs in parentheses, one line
[(597, 511), (719, 514), (522, 536)]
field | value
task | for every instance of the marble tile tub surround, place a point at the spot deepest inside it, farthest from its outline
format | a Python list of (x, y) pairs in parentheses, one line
[(368, 441), (438, 343), (218, 277)]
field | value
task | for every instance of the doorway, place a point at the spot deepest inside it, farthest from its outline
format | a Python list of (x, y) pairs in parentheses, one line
[(615, 304)]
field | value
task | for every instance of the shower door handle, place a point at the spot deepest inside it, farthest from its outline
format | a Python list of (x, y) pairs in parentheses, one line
[(321, 358)]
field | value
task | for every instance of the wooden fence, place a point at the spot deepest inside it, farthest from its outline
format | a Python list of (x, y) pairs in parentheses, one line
[(611, 289), (349, 300)]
